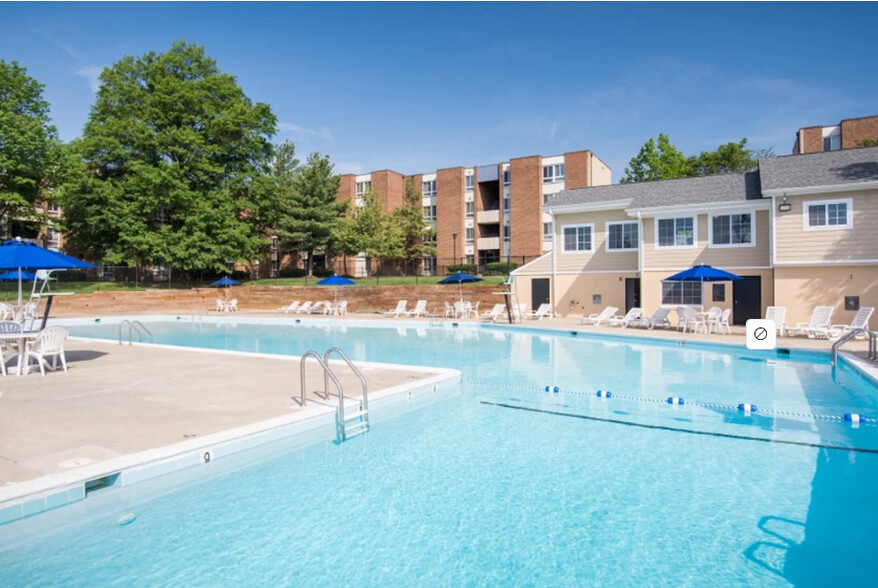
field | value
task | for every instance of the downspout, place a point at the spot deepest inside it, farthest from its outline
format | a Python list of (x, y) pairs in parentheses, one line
[(552, 281)]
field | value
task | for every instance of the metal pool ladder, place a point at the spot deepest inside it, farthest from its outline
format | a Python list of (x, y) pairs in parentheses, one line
[(134, 327), (873, 352), (346, 426)]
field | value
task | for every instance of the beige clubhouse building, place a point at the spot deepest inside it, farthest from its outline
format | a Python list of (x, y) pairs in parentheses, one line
[(802, 230)]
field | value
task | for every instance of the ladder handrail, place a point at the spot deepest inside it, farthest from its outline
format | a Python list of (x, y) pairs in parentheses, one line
[(356, 371), (327, 374), (134, 327), (873, 343)]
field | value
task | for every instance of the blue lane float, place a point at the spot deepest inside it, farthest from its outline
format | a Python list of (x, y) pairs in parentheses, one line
[(604, 394), (554, 389), (747, 407), (853, 418), (676, 400)]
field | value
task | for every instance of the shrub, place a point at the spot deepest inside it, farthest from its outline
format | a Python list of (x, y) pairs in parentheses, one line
[(499, 268), (468, 268), (322, 272), (291, 272)]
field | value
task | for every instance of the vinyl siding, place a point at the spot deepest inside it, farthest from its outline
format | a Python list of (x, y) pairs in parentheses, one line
[(796, 245), (598, 259), (723, 257)]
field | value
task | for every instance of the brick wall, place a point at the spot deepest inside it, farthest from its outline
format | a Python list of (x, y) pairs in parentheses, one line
[(266, 298), (525, 206), (346, 187), (856, 129), (812, 139), (390, 186), (577, 169), (450, 212)]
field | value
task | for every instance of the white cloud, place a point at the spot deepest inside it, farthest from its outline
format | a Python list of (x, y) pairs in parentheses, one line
[(323, 132), (553, 129), (91, 73)]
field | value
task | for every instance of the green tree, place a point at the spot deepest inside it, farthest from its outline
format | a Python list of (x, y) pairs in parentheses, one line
[(174, 163), (657, 160), (409, 219), (728, 158), (868, 142), (370, 231), (28, 143), (308, 217)]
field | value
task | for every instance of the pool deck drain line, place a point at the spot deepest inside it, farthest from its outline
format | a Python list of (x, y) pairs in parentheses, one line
[(709, 405), (680, 429)]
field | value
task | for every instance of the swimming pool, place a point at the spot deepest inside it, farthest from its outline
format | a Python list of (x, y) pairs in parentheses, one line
[(504, 483)]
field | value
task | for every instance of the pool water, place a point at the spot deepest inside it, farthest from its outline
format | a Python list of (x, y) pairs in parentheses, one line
[(505, 484)]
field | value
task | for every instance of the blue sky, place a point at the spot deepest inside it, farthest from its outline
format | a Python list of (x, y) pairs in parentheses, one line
[(420, 86)]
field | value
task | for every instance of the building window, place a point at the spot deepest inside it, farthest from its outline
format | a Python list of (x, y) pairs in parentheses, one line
[(731, 230), (688, 293), (470, 209), (429, 188), (470, 235), (719, 292), (106, 272), (429, 239), (577, 237), (676, 232), (507, 233), (622, 236), (832, 143), (505, 177), (470, 182), (53, 208), (829, 214), (362, 188), (505, 204), (547, 231), (553, 173), (430, 212), (429, 266), (470, 259), (53, 240)]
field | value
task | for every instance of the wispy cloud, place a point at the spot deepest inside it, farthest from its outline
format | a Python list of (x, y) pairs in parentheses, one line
[(92, 73), (553, 129), (324, 132)]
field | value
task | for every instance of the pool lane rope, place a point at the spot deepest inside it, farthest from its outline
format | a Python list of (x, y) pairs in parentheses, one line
[(745, 408)]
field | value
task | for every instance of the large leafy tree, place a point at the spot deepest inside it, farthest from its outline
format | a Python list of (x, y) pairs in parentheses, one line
[(657, 160), (370, 231), (28, 143), (308, 216), (729, 158), (409, 218), (173, 166)]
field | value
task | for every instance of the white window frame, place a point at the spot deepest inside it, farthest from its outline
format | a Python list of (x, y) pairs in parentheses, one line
[(609, 224), (712, 216), (470, 182), (557, 173), (469, 234), (548, 234), (429, 212), (806, 215), (694, 218), (589, 226), (360, 188), (429, 188), (682, 285), (469, 209)]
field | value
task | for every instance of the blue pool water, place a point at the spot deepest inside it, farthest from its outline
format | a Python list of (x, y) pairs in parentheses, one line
[(505, 484)]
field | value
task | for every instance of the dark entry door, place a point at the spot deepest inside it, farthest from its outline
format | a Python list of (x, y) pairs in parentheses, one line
[(746, 299), (632, 293), (539, 292)]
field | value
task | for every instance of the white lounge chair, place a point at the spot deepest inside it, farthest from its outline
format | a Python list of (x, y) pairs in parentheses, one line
[(544, 311), (600, 318), (633, 314), (495, 313), (293, 307), (778, 314), (420, 309), (49, 343), (399, 310), (860, 321), (518, 311), (819, 325), (305, 308), (319, 307), (659, 317)]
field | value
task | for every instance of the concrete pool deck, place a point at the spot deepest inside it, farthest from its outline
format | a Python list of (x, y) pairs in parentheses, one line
[(120, 400)]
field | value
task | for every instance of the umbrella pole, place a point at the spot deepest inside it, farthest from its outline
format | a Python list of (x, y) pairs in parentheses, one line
[(19, 289)]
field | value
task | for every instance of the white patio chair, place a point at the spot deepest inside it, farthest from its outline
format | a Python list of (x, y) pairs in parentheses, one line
[(714, 319), (688, 319), (220, 305), (420, 309), (233, 305), (449, 310), (399, 310), (8, 347), (49, 343), (7, 312), (659, 317), (544, 311), (860, 321), (778, 314), (460, 309), (633, 314), (724, 326), (819, 325), (474, 310), (341, 308), (600, 318)]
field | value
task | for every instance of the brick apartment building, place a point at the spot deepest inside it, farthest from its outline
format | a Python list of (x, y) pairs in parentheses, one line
[(845, 135), (484, 213)]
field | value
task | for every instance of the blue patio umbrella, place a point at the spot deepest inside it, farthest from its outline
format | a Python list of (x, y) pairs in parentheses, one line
[(335, 280), (460, 278), (13, 276), (703, 273), (20, 255), (225, 281)]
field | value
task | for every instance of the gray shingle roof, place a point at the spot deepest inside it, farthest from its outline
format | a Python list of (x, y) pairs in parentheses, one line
[(832, 168), (700, 190)]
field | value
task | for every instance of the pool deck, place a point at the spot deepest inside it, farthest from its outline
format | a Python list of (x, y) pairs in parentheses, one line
[(120, 400)]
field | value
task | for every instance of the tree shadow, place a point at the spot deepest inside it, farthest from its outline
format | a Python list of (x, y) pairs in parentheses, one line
[(76, 355), (866, 170)]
